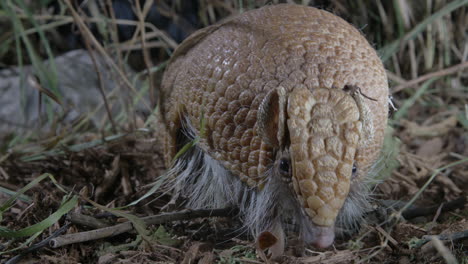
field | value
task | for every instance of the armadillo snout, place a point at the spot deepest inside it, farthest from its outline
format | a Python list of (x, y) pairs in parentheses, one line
[(323, 236), (324, 130)]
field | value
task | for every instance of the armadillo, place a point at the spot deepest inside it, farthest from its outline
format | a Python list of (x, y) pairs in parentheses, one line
[(285, 108)]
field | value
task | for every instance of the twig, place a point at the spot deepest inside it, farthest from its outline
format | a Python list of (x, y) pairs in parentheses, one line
[(393, 77), (453, 237), (101, 50), (179, 20), (114, 32), (444, 251), (421, 211), (160, 34), (39, 245), (438, 212), (127, 226), (148, 45), (344, 256), (450, 237), (110, 178), (141, 14), (428, 76), (85, 220), (63, 20), (100, 80), (386, 235)]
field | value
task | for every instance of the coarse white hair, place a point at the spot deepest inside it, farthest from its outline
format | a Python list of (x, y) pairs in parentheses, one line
[(206, 184)]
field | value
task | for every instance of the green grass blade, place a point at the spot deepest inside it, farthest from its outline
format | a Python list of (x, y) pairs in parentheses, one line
[(387, 51), (388, 161), (12, 199), (22, 245), (410, 101), (153, 189), (52, 73), (19, 194), (424, 187), (47, 78), (137, 223), (74, 148), (21, 197), (39, 227)]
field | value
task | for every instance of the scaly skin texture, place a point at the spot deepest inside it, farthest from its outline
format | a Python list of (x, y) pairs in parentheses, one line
[(335, 100)]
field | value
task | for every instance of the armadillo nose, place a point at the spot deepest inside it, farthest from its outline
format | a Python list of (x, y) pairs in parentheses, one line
[(324, 236)]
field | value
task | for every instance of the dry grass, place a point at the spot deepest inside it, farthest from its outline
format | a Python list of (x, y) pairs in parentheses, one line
[(423, 44)]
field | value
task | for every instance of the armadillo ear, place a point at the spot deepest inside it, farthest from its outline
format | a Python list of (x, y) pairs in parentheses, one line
[(271, 117), (365, 114)]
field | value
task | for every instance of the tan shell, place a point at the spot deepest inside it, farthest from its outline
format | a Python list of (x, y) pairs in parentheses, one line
[(223, 73)]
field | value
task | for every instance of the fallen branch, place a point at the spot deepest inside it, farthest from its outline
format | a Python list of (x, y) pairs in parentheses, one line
[(85, 220), (453, 237), (448, 237), (444, 72), (38, 245), (127, 226), (421, 211)]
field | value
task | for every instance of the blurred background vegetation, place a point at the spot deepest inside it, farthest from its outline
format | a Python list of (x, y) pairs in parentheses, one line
[(413, 38)]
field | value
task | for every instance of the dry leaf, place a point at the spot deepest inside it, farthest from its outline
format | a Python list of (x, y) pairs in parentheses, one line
[(266, 240)]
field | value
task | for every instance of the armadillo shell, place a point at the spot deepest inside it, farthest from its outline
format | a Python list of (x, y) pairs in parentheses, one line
[(220, 75)]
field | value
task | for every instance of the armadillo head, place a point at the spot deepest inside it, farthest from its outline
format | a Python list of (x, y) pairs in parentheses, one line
[(324, 129), (320, 130)]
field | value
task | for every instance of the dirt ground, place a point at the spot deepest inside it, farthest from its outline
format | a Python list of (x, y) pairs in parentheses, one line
[(118, 173)]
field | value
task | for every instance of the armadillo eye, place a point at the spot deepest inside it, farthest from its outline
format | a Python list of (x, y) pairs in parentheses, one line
[(284, 166)]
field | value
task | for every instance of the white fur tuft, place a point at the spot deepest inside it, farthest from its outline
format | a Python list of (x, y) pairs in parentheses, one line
[(207, 184)]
